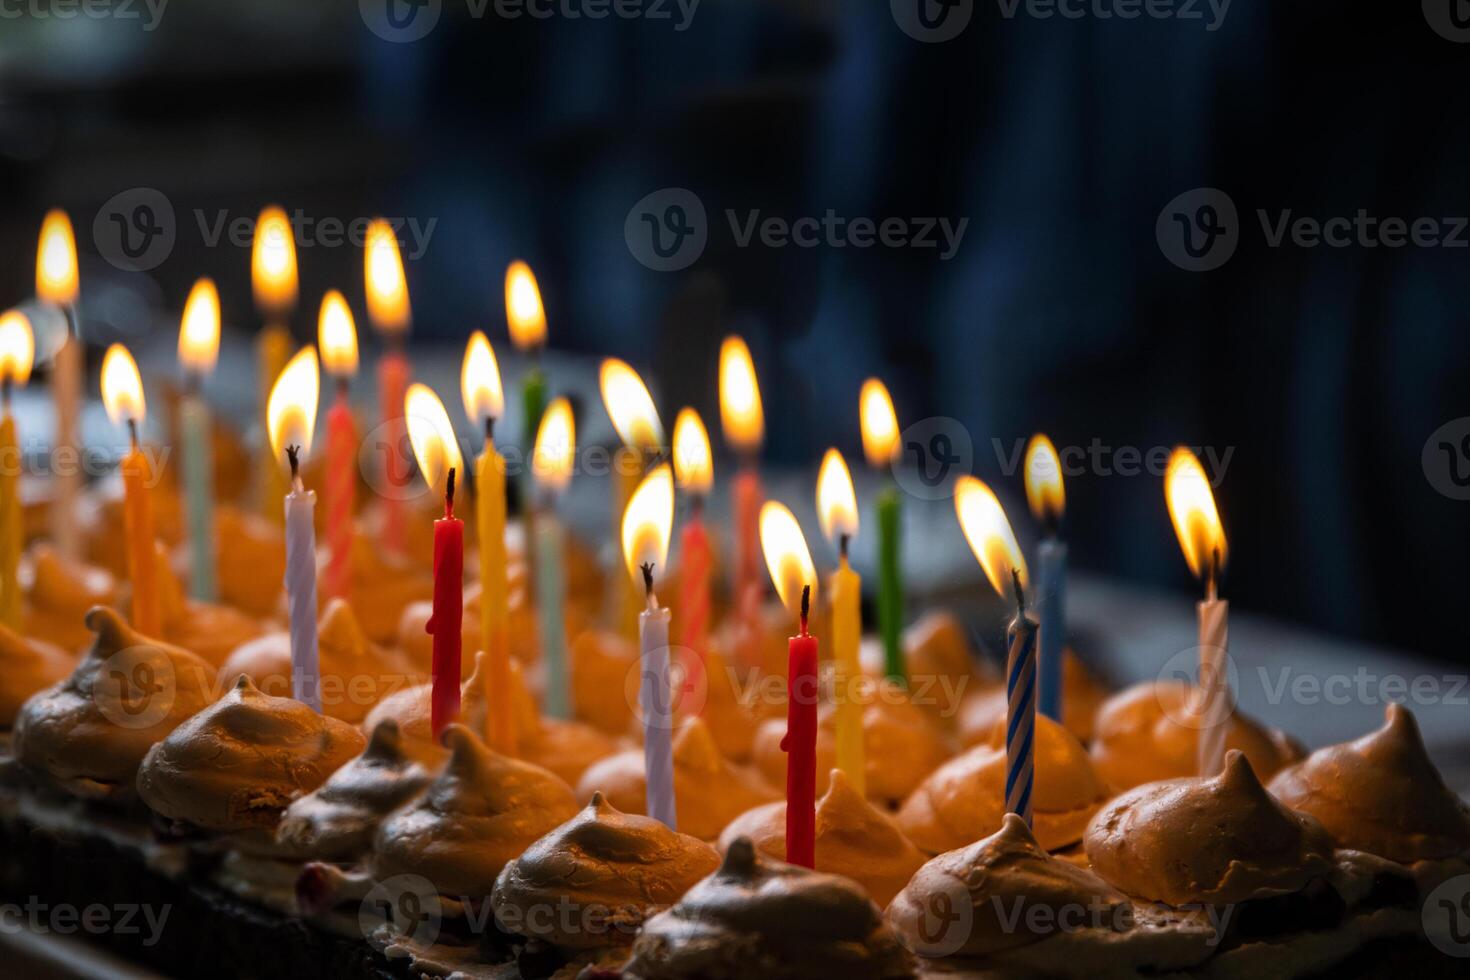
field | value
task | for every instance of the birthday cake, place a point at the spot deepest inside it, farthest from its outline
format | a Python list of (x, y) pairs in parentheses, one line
[(402, 756)]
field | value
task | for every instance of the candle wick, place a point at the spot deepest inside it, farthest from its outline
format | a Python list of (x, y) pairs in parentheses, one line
[(806, 606), (293, 456), (133, 432), (342, 387), (842, 542), (489, 431), (6, 384), (449, 494), (647, 569), (1212, 577), (696, 505), (1020, 593)]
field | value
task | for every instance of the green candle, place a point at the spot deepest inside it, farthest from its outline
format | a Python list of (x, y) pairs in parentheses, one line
[(890, 585), (881, 447)]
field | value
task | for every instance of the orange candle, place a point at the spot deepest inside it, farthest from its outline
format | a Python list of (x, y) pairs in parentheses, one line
[(694, 472), (388, 309), (122, 392), (743, 421)]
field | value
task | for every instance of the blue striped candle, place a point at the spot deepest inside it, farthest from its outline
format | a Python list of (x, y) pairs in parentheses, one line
[(1020, 709)]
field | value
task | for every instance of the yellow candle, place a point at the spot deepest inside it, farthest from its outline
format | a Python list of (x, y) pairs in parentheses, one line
[(837, 507), (17, 352), (484, 401), (122, 392), (273, 349), (57, 283)]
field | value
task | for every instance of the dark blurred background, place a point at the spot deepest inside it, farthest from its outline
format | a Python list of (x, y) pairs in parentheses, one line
[(1321, 370)]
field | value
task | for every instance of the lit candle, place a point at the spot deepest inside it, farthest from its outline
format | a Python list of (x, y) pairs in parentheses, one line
[(881, 447), (630, 407), (437, 451), (273, 281), (526, 319), (17, 353), (646, 526), (198, 352), (291, 422), (484, 402), (837, 507), (388, 310), (551, 464), (1047, 499), (994, 544), (694, 472), (57, 282), (122, 392), (744, 425), (794, 575), (1202, 539), (337, 339)]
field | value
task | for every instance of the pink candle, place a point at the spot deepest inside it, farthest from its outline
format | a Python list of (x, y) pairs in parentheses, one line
[(448, 611)]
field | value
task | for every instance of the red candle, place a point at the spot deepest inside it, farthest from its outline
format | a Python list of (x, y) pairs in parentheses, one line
[(694, 574), (341, 494), (800, 743), (747, 597), (448, 611), (393, 373)]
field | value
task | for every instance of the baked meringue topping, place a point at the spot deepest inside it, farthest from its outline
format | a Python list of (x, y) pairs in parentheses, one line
[(853, 838), (1216, 840), (614, 869), (1380, 794), (237, 764), (27, 666), (90, 732), (481, 812), (337, 820)]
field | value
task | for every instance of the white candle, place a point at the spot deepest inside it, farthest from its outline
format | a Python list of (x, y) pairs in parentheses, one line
[(1214, 684), (301, 589), (656, 700)]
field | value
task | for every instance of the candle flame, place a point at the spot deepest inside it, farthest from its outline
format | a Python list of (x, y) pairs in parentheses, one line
[(17, 347), (879, 424), (524, 313), (836, 501), (199, 328), (1044, 491), (1192, 509), (122, 387), (56, 260), (648, 522), (291, 411), (741, 417), (556, 446), (630, 406), (694, 468), (273, 262), (336, 334), (787, 557), (432, 435), (989, 533), (479, 381), (387, 288)]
